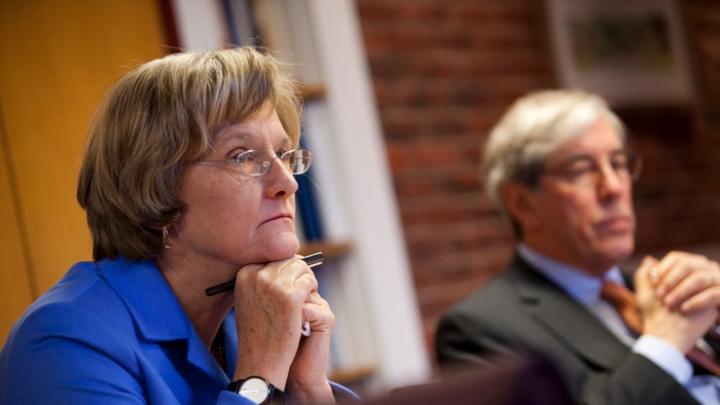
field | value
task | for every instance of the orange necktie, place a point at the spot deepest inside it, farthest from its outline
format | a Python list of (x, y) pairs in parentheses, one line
[(624, 302)]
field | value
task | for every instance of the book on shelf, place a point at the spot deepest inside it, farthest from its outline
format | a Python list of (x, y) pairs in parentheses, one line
[(307, 205)]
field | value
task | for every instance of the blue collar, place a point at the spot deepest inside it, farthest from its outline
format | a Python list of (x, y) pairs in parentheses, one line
[(580, 285), (148, 297), (159, 315)]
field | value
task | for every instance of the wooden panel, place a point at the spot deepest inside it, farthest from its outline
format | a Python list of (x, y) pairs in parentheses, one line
[(15, 292), (57, 59)]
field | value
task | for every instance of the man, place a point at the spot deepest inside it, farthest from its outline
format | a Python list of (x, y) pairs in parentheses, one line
[(559, 167)]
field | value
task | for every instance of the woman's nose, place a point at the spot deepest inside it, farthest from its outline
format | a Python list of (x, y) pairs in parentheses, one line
[(280, 180)]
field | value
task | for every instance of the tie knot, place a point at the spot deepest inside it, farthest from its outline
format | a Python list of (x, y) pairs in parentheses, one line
[(617, 294), (624, 302)]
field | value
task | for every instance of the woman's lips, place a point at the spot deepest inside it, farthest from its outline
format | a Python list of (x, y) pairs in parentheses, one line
[(278, 217)]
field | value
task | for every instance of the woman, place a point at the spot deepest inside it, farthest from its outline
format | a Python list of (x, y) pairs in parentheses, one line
[(187, 182)]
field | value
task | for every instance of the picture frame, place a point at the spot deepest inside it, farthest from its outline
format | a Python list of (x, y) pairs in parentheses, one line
[(633, 53)]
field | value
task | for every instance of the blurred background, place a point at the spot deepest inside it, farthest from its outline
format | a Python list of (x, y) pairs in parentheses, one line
[(399, 96)]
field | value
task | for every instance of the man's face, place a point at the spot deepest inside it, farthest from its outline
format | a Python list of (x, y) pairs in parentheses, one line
[(583, 204)]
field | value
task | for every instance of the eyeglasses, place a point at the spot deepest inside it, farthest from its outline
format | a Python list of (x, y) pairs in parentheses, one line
[(587, 172), (257, 163)]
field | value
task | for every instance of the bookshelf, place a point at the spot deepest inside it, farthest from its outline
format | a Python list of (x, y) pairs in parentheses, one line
[(331, 250), (378, 339), (311, 92), (353, 376)]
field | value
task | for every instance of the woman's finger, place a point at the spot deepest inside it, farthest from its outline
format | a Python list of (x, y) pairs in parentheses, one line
[(319, 316)]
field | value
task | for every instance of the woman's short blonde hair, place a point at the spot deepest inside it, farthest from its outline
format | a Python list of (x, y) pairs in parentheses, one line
[(158, 116), (533, 127)]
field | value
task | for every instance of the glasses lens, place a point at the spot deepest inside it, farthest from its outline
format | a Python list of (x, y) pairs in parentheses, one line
[(249, 163), (300, 161), (635, 167)]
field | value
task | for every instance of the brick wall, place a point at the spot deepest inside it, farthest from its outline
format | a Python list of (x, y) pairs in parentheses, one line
[(443, 72)]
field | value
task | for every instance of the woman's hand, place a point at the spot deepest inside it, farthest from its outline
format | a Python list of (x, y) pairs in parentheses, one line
[(307, 381), (270, 301)]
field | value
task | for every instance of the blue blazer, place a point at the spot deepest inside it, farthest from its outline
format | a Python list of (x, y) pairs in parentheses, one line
[(113, 332)]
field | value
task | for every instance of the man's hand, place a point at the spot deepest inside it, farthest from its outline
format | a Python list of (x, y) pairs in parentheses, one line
[(687, 282), (680, 329)]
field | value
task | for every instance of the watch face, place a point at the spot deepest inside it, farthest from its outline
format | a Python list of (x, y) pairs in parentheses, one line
[(254, 389)]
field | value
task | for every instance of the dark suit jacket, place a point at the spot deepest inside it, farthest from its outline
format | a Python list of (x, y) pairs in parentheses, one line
[(521, 310)]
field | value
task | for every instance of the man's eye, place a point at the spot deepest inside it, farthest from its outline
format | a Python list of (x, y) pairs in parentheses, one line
[(619, 163), (579, 170)]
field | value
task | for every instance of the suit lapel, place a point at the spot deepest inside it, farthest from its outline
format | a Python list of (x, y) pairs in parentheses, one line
[(568, 320)]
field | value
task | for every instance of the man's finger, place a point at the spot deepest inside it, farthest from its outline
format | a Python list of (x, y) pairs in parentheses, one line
[(673, 273), (710, 298), (691, 285), (643, 274)]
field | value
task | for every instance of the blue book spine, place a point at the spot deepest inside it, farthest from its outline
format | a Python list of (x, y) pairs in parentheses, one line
[(307, 206)]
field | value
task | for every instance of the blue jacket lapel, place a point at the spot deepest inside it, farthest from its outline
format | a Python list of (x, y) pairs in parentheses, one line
[(156, 311)]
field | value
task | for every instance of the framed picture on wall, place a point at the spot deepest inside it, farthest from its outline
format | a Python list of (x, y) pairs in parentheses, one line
[(631, 52)]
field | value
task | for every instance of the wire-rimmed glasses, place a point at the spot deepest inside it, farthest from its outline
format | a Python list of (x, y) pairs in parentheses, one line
[(586, 172), (256, 163)]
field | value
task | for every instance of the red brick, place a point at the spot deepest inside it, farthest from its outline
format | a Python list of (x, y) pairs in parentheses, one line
[(444, 71)]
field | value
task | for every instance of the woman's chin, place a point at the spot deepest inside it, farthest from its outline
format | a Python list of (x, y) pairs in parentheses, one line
[(283, 246)]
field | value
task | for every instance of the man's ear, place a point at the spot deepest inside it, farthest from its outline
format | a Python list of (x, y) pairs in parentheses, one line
[(521, 204)]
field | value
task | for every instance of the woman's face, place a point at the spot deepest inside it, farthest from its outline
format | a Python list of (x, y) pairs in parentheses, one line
[(236, 219)]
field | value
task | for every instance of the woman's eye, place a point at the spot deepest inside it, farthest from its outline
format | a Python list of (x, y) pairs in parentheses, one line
[(241, 157)]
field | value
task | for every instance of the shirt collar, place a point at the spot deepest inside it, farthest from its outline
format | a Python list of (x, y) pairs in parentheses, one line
[(581, 286)]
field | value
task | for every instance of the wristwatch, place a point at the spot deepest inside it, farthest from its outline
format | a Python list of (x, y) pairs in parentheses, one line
[(254, 388)]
